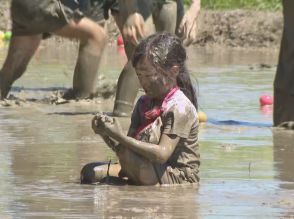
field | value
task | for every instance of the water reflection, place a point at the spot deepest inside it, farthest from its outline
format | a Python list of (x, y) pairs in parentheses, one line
[(147, 202), (284, 156), (43, 147)]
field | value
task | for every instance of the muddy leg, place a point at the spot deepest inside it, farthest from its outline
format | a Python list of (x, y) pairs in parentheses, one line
[(139, 170), (283, 107), (128, 83), (165, 17), (92, 41), (97, 171), (21, 50), (127, 89), (284, 79)]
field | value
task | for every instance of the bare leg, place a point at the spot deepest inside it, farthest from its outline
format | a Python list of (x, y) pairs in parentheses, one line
[(97, 171), (284, 79), (128, 83), (92, 42), (126, 92), (164, 17), (138, 169), (21, 50)]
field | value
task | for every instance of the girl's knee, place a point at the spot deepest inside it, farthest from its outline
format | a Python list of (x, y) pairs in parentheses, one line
[(147, 176)]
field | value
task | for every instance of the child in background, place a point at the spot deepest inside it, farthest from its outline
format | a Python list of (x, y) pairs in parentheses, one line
[(34, 20), (162, 142)]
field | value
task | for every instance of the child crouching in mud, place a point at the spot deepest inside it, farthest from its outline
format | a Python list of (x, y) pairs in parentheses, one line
[(161, 146)]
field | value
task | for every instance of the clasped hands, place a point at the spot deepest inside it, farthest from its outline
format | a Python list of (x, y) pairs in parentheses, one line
[(107, 126)]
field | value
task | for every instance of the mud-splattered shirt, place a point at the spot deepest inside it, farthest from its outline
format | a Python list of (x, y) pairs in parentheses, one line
[(178, 118)]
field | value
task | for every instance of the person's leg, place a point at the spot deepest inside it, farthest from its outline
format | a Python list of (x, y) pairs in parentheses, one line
[(165, 16), (283, 106), (97, 171), (284, 79), (126, 92), (139, 170), (21, 50), (92, 42), (128, 83)]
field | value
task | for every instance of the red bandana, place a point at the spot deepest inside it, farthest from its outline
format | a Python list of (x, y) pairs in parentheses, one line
[(151, 115)]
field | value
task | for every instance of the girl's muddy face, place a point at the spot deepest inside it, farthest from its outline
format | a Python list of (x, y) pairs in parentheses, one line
[(154, 83)]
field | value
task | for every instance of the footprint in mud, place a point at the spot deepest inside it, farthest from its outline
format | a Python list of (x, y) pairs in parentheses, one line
[(105, 90)]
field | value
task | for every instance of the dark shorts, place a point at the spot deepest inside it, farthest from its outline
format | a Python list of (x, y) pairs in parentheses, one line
[(30, 17)]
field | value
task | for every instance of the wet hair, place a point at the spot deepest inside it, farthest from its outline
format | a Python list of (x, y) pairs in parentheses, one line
[(164, 51)]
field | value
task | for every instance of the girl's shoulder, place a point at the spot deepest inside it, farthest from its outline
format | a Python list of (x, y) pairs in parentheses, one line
[(180, 103)]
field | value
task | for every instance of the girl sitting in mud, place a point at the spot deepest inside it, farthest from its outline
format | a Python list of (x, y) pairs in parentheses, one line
[(162, 142)]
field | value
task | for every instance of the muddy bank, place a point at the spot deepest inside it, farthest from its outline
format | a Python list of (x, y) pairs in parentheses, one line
[(236, 28), (240, 28)]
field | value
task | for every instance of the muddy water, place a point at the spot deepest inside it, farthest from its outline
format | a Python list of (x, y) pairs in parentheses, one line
[(246, 172)]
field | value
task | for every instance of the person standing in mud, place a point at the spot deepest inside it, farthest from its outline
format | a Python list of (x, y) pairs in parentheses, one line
[(33, 20), (136, 20), (162, 143), (284, 79)]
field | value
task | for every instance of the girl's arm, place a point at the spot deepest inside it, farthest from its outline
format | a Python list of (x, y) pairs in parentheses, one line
[(155, 153)]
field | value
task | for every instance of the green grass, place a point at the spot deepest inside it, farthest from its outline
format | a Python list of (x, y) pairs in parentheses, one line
[(245, 4)]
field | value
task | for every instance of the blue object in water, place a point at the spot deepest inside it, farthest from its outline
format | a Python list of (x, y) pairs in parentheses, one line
[(242, 123)]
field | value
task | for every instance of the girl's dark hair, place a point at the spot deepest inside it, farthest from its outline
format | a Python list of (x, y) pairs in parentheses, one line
[(164, 51)]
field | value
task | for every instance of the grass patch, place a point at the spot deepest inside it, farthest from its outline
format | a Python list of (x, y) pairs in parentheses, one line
[(241, 4)]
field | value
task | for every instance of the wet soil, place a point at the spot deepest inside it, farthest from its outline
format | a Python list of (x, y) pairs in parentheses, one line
[(234, 28), (4, 14), (55, 96), (246, 172), (240, 28)]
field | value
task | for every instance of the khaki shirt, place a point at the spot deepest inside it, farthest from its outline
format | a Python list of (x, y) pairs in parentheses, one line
[(180, 118)]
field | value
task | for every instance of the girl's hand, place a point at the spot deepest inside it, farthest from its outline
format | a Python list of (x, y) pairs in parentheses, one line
[(112, 128), (105, 125), (97, 125)]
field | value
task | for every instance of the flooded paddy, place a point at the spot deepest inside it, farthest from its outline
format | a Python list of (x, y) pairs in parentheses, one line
[(246, 172)]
